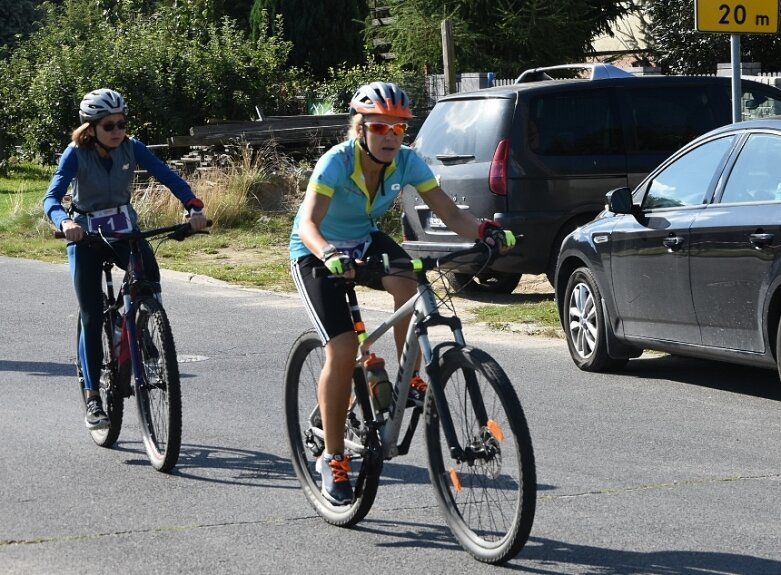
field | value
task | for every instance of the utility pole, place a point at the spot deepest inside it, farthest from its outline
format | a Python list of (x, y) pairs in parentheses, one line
[(448, 57)]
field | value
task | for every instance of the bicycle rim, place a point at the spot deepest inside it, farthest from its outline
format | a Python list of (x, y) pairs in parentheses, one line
[(158, 397), (110, 395), (490, 503), (302, 372)]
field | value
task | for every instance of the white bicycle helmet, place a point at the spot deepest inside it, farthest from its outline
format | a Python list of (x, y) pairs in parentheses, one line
[(100, 103), (383, 98)]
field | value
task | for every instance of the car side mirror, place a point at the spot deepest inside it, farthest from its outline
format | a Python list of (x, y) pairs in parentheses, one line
[(619, 201)]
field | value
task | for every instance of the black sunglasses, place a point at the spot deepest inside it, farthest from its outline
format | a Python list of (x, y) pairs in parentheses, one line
[(109, 126)]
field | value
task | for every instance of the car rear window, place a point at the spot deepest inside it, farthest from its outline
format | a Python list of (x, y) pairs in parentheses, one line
[(464, 130)]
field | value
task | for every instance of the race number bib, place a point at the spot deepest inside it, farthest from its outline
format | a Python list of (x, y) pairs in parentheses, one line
[(354, 248), (110, 220)]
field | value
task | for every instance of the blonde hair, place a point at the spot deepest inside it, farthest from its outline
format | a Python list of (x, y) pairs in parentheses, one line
[(355, 121), (82, 136)]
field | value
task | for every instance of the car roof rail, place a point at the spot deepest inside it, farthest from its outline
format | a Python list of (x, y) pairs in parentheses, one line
[(597, 71)]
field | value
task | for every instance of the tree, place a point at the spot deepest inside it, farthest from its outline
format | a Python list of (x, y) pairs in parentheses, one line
[(17, 19), (174, 68), (504, 36), (680, 49), (324, 33)]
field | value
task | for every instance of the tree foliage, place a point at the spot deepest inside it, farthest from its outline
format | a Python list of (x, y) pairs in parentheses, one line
[(175, 69), (504, 36), (323, 33), (680, 49), (17, 20)]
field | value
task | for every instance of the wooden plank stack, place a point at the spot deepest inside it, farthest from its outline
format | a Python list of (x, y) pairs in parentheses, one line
[(292, 131)]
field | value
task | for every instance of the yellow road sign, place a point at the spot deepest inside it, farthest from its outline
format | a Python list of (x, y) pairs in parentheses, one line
[(736, 16)]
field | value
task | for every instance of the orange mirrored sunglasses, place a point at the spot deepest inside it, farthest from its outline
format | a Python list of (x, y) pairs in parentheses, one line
[(381, 128)]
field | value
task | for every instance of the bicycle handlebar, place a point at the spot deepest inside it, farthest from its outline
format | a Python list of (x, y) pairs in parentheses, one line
[(176, 232), (378, 264)]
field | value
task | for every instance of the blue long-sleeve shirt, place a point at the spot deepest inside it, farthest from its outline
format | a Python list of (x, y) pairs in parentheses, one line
[(100, 183)]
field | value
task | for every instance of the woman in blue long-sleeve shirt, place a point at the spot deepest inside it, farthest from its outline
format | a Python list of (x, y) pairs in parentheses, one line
[(100, 164)]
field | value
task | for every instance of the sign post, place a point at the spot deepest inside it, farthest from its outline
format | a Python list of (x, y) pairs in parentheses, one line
[(736, 17)]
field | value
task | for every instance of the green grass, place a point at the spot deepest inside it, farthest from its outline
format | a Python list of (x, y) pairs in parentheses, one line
[(536, 317), (247, 246)]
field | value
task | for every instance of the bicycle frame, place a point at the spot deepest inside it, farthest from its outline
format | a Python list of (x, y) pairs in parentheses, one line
[(132, 283), (425, 314)]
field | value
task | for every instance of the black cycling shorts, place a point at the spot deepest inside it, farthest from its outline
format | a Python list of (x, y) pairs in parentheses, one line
[(325, 299)]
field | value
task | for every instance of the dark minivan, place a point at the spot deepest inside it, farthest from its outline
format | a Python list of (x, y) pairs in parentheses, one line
[(538, 156)]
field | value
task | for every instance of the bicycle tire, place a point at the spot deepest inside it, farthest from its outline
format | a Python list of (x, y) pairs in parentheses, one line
[(302, 372), (158, 397), (490, 504), (110, 394)]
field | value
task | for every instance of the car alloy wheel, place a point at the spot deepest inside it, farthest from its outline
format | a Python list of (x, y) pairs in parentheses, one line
[(582, 320)]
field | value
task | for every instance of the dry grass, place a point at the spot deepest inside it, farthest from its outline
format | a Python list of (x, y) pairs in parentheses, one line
[(254, 181)]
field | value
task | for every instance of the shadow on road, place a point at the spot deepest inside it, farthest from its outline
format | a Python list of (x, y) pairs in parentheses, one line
[(46, 368), (733, 378), (225, 465), (550, 557)]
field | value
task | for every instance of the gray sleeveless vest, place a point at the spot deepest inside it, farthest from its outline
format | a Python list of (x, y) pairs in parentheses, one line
[(96, 188)]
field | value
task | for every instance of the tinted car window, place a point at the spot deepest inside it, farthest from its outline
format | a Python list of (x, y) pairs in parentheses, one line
[(681, 183), (759, 103), (756, 175), (465, 129), (662, 119), (574, 124)]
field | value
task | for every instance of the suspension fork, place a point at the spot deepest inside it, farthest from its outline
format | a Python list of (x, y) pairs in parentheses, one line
[(436, 387)]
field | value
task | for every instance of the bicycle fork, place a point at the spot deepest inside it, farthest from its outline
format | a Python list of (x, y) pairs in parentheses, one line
[(432, 357)]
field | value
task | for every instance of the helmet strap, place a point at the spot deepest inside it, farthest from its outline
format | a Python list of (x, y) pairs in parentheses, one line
[(365, 147)]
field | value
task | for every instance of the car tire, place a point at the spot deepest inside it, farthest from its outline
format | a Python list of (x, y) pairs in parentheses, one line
[(485, 283), (778, 349), (584, 324)]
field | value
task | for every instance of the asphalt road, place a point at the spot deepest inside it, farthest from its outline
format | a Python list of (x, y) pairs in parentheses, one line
[(671, 467)]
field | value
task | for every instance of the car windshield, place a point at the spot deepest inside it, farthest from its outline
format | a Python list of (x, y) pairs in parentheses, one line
[(450, 130)]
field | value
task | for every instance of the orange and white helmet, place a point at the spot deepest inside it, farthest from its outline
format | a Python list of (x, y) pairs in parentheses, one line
[(385, 98)]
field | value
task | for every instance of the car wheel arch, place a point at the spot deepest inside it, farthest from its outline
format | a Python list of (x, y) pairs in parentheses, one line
[(566, 228)]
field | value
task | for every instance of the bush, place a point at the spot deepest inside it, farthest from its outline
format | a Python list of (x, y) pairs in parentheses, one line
[(174, 70)]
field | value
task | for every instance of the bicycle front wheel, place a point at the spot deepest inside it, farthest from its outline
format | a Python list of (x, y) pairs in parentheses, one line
[(158, 393), (489, 495), (304, 430), (110, 394)]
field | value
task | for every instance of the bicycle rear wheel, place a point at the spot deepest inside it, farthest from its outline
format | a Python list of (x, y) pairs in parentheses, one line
[(304, 430), (158, 397), (489, 500), (110, 394)]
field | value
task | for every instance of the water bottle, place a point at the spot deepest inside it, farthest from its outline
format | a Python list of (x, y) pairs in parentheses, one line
[(378, 380)]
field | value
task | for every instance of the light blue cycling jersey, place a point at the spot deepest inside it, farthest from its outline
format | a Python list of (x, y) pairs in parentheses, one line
[(352, 214)]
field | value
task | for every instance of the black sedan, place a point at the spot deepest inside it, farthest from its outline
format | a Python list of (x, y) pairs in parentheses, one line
[(689, 263)]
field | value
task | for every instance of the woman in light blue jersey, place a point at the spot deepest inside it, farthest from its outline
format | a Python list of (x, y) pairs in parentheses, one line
[(100, 165), (351, 187)]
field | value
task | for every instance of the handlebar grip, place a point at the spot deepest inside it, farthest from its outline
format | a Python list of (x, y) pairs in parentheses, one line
[(372, 264)]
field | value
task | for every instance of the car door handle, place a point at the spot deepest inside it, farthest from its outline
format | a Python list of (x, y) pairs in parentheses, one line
[(673, 243), (760, 241)]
